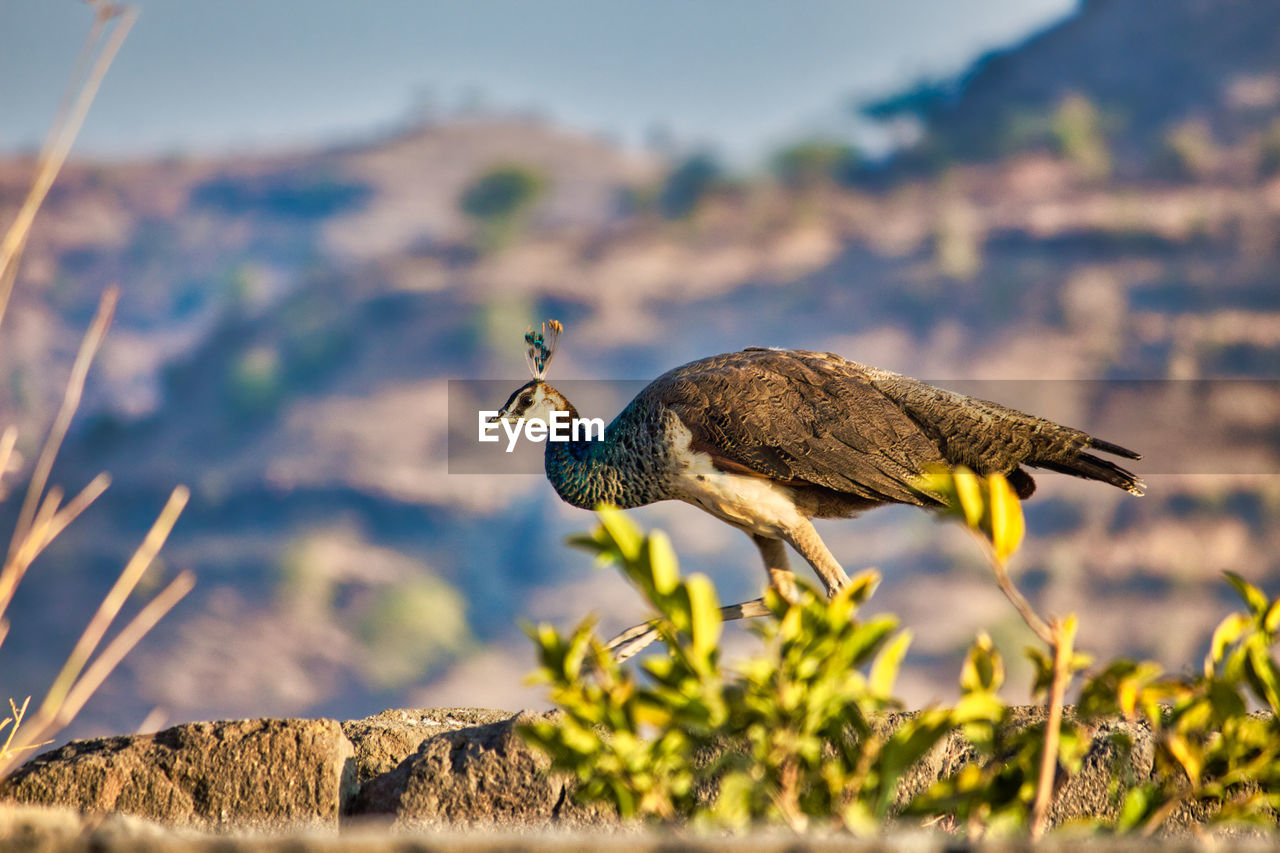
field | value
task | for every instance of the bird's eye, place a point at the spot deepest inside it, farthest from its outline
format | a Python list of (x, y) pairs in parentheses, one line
[(526, 400)]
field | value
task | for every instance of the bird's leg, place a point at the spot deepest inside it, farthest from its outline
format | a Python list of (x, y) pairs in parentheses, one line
[(806, 541), (774, 554), (637, 637)]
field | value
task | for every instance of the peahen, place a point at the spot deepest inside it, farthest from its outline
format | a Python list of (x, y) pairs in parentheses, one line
[(767, 439)]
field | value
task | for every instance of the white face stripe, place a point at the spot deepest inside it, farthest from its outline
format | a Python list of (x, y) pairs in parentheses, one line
[(543, 404), (545, 401)]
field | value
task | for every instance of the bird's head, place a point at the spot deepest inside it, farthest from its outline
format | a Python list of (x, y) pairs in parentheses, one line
[(536, 399)]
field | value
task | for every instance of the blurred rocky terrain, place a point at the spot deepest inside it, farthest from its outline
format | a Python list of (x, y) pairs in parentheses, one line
[(290, 324)]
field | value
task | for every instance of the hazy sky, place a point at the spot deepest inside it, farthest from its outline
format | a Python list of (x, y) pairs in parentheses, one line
[(209, 75)]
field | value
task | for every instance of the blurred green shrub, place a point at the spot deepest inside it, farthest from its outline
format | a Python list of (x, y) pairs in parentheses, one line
[(688, 185), (957, 235), (499, 200), (1078, 136), (402, 618), (1212, 756), (1188, 152), (408, 628), (810, 165), (255, 385)]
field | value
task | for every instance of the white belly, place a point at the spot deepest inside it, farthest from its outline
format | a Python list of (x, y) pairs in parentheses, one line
[(755, 504)]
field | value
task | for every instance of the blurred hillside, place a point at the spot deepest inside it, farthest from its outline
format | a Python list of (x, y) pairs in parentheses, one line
[(289, 325), (1191, 80)]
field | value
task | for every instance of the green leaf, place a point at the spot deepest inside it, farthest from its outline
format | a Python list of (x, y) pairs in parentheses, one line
[(979, 707), (1271, 622), (1187, 756), (1043, 664), (861, 587), (664, 568), (1229, 630), (884, 671), (622, 531), (969, 494), (1263, 670), (1135, 809), (983, 668), (939, 481), (585, 541), (867, 639), (1007, 524), (1250, 594), (704, 612)]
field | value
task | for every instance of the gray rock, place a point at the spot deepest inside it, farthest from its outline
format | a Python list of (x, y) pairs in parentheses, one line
[(1120, 756), (244, 775), (480, 776), (384, 740)]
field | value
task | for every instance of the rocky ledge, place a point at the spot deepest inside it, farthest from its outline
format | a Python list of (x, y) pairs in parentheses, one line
[(400, 772)]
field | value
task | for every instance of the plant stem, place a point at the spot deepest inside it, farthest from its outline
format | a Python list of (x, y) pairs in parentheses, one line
[(1028, 614), (1062, 652), (1059, 638)]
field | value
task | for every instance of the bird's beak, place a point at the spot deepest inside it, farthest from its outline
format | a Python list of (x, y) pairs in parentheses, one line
[(504, 417)]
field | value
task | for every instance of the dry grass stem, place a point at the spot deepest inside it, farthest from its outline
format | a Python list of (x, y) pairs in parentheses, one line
[(7, 442), (76, 682), (15, 716), (42, 516), (70, 117), (31, 544), (114, 600), (53, 717), (70, 402), (15, 568), (77, 505), (50, 521), (153, 721), (122, 644)]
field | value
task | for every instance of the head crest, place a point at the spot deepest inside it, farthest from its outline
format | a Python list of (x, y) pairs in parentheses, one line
[(542, 346)]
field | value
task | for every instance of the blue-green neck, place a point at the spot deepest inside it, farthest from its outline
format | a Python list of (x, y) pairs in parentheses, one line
[(587, 473)]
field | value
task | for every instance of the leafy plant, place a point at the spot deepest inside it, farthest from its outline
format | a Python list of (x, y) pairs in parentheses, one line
[(798, 733), (789, 735), (1000, 791), (1212, 756)]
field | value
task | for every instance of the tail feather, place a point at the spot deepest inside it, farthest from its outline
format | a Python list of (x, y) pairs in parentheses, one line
[(1113, 449), (1091, 467)]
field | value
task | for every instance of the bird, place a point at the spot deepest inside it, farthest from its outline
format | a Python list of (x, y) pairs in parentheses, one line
[(769, 439)]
